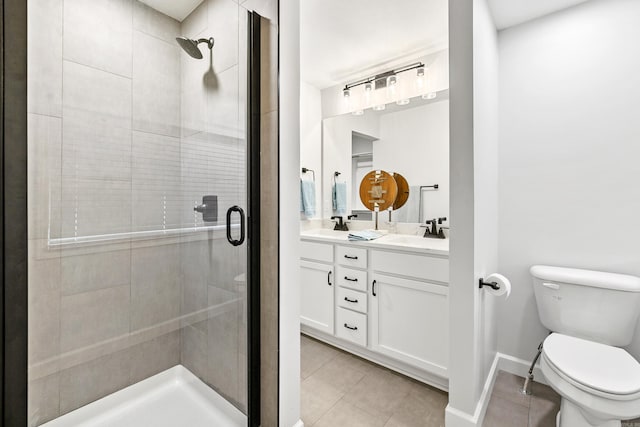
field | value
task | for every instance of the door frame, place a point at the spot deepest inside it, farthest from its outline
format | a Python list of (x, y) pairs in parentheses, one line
[(13, 207)]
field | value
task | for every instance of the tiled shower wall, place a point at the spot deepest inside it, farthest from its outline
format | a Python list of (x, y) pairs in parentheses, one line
[(126, 133)]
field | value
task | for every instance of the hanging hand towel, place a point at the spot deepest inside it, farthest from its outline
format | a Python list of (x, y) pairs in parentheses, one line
[(340, 198), (308, 197)]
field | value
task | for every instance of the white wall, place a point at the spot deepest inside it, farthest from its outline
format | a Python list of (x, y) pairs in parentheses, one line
[(474, 209), (289, 230), (569, 153), (311, 137), (463, 372), (415, 143), (485, 147)]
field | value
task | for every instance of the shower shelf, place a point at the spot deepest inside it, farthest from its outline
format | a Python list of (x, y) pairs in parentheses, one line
[(135, 235)]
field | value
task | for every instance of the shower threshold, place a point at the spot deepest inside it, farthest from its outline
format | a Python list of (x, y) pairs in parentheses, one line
[(171, 398)]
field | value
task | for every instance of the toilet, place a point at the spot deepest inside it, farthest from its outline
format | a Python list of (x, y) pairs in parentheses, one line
[(591, 315)]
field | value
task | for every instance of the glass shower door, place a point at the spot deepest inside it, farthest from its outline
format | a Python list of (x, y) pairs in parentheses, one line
[(139, 213)]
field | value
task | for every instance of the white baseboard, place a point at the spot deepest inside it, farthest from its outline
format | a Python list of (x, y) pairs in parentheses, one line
[(299, 424), (519, 367), (457, 418), (501, 362)]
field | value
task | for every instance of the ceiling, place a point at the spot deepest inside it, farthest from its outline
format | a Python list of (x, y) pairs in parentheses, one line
[(339, 40), (177, 9), (507, 13), (346, 40)]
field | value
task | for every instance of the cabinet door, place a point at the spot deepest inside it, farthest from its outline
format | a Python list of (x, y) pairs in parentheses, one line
[(316, 295), (410, 322)]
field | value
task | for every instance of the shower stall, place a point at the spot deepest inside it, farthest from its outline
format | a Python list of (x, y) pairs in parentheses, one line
[(143, 220)]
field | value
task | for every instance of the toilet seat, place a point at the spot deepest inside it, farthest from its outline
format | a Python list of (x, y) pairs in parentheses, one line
[(593, 367)]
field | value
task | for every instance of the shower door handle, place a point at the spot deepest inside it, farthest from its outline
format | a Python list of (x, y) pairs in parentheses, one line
[(231, 240)]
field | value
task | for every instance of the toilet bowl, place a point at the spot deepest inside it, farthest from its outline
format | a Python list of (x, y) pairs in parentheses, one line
[(591, 315), (599, 384)]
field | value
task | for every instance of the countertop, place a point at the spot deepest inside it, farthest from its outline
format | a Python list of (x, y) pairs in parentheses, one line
[(397, 242)]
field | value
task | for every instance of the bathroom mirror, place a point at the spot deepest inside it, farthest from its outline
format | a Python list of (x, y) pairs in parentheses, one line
[(411, 140)]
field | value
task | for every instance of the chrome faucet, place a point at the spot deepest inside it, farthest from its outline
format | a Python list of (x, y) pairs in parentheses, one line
[(434, 233)]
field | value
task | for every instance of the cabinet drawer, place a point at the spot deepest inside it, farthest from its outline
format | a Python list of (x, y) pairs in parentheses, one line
[(351, 326), (419, 266), (354, 300), (322, 252), (350, 278), (351, 257)]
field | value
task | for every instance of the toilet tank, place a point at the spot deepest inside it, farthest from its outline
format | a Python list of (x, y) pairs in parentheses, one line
[(597, 306)]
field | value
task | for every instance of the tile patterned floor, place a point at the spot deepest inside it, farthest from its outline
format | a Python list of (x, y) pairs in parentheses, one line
[(339, 389)]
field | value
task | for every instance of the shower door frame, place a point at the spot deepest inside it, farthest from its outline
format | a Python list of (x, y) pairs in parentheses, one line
[(13, 212), (13, 206)]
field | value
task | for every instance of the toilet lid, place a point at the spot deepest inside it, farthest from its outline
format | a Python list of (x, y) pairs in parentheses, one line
[(594, 365)]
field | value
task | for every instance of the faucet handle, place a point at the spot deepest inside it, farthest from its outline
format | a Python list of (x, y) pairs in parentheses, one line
[(339, 223), (352, 216), (441, 219)]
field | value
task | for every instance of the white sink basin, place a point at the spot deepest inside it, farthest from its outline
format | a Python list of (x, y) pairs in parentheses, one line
[(403, 239), (323, 232), (413, 241)]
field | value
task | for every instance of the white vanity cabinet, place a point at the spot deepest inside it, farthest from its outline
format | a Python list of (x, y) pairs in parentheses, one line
[(317, 284), (387, 305), (409, 322)]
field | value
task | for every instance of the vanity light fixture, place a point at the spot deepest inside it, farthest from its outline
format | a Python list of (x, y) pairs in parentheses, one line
[(358, 112), (394, 89), (430, 95)]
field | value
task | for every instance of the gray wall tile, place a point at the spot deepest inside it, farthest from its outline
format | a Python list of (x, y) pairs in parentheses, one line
[(93, 317), (44, 400), (90, 381), (44, 57), (44, 171), (90, 90), (44, 308), (156, 187), (223, 26), (93, 271), (93, 207), (155, 289), (155, 356), (194, 349), (196, 22), (222, 104), (154, 23), (156, 85), (195, 270), (98, 33)]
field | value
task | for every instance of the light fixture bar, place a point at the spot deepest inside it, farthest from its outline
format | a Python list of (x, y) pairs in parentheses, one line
[(384, 75)]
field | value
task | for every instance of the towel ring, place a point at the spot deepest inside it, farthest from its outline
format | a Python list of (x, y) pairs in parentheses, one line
[(305, 170)]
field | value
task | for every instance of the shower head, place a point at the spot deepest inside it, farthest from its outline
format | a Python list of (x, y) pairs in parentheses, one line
[(191, 46)]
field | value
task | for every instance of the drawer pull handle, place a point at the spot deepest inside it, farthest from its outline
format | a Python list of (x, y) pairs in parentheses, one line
[(353, 328), (329, 278), (350, 257), (350, 300), (350, 279), (373, 288)]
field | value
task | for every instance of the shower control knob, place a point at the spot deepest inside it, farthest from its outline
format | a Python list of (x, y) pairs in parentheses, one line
[(208, 208)]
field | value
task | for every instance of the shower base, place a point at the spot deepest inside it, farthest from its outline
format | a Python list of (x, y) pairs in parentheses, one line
[(171, 398)]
